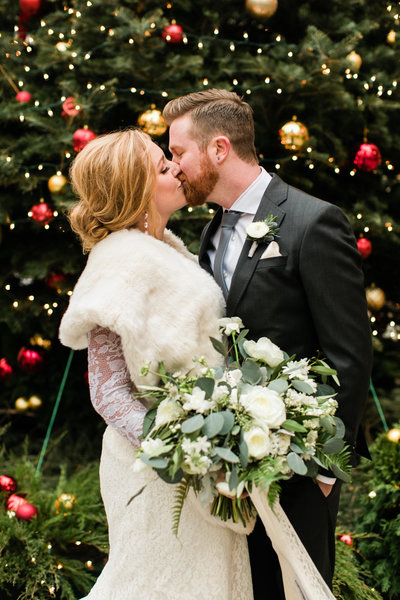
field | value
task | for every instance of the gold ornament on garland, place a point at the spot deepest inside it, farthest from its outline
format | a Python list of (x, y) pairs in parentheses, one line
[(65, 503), (152, 122), (34, 402), (354, 60), (261, 9), (375, 297), (393, 435), (56, 183), (293, 134), (21, 404), (391, 37), (38, 340)]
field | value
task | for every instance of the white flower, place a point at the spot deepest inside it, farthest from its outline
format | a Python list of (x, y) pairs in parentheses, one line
[(229, 324), (220, 393), (258, 442), (151, 446), (297, 369), (280, 443), (139, 466), (195, 465), (197, 401), (265, 405), (232, 376), (202, 445), (167, 411), (311, 423), (296, 399), (311, 383), (187, 446), (233, 399), (264, 350), (257, 229)]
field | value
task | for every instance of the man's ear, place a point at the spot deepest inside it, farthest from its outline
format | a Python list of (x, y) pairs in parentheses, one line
[(219, 148)]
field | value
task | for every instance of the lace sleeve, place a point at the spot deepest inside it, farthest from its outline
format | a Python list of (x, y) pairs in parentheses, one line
[(111, 386)]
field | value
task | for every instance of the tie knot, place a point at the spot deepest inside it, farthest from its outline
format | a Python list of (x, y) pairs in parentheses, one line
[(230, 218)]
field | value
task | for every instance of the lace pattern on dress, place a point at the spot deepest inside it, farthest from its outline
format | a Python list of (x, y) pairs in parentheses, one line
[(111, 386)]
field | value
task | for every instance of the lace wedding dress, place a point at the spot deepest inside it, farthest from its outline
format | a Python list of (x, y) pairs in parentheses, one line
[(209, 558)]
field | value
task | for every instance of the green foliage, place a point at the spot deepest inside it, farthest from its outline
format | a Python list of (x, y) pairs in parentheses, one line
[(351, 580)]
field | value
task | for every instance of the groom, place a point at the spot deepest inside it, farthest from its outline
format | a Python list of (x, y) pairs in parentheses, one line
[(304, 290)]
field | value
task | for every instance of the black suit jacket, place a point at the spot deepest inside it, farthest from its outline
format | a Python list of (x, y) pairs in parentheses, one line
[(312, 297)]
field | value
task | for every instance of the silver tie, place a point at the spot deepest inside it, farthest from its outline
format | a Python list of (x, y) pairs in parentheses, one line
[(228, 222)]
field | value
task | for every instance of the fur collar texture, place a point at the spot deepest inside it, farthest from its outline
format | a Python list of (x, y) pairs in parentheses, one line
[(153, 295)]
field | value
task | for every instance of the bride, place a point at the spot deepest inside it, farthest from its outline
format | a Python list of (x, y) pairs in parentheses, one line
[(143, 298)]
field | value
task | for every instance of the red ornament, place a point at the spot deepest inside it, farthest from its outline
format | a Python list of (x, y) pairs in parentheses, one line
[(26, 511), (23, 97), (5, 370), (7, 483), (14, 501), (173, 34), (30, 360), (69, 107), (86, 378), (364, 247), (41, 213), (347, 539), (82, 137), (368, 157), (56, 281), (27, 9)]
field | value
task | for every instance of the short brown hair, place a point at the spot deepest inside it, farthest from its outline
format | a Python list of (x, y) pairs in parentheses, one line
[(114, 177), (216, 112)]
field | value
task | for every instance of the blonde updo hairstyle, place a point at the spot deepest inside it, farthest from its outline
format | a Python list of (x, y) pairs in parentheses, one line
[(114, 177)]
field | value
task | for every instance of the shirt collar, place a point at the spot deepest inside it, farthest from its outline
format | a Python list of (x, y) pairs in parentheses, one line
[(249, 201)]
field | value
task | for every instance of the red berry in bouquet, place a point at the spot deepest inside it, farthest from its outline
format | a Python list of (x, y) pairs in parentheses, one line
[(368, 157), (30, 360), (364, 247), (41, 213), (173, 34), (5, 370), (23, 97), (82, 137), (14, 501), (7, 483), (26, 511)]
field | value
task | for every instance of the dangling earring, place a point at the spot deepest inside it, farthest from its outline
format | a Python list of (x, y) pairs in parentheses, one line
[(146, 222)]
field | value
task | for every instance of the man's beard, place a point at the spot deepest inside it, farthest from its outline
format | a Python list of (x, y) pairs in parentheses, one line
[(198, 190)]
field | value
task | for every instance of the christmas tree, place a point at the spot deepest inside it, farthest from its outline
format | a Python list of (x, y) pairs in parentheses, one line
[(321, 78)]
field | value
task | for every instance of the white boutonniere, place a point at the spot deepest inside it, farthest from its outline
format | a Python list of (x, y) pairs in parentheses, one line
[(261, 231)]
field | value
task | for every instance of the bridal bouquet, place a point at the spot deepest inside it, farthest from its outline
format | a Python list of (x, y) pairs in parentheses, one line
[(258, 419)]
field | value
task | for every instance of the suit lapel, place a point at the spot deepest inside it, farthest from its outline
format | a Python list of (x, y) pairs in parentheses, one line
[(274, 195)]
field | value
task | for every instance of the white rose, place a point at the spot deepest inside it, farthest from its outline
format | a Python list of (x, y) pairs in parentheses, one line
[(168, 410), (265, 405), (257, 229), (229, 324), (197, 401), (233, 376), (151, 446), (264, 350), (258, 442)]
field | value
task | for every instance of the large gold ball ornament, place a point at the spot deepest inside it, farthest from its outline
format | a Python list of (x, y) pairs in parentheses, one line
[(152, 122), (354, 60), (375, 297), (393, 435), (391, 37), (65, 503), (21, 404), (34, 402), (293, 134), (261, 9), (56, 183)]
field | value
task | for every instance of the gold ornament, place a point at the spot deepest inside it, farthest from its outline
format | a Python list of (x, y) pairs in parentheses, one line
[(375, 297), (65, 503), (261, 9), (293, 134), (37, 340), (21, 404), (56, 183), (354, 60), (152, 122), (391, 37), (393, 435), (34, 402)]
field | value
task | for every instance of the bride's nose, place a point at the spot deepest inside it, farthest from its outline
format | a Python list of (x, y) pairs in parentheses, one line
[(174, 168)]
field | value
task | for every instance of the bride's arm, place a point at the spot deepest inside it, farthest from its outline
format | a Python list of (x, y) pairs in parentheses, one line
[(111, 386)]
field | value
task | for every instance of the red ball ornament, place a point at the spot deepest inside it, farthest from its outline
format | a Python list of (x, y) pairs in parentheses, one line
[(26, 511), (173, 34), (5, 370), (364, 247), (14, 502), (41, 213), (23, 97), (29, 8), (56, 281), (347, 539), (69, 107), (30, 360), (82, 137), (7, 483), (368, 157)]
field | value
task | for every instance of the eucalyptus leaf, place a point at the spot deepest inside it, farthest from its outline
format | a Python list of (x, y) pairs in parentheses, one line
[(337, 471), (226, 454), (328, 424), (219, 346), (193, 424), (312, 468), (154, 463), (291, 425), (206, 384), (172, 479), (242, 335), (233, 479), (302, 386), (251, 372), (296, 463), (340, 428), (162, 450), (295, 448), (213, 424), (229, 420), (278, 385), (244, 454), (333, 446), (323, 389), (235, 430)]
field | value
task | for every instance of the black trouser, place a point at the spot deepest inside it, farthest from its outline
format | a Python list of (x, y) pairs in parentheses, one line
[(314, 518)]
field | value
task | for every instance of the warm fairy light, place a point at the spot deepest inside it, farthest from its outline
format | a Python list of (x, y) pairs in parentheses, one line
[(47, 226), (290, 54), (133, 90), (28, 49), (50, 31), (55, 213), (245, 35), (74, 54), (27, 68), (78, 14), (372, 494), (61, 36), (359, 215), (200, 45), (205, 81), (27, 175), (73, 31), (55, 304), (190, 209), (373, 78), (278, 38), (9, 159), (89, 564), (89, 86), (267, 80), (353, 172), (21, 118), (248, 92), (31, 298), (69, 293), (373, 319), (37, 103), (40, 167), (50, 112), (232, 47), (111, 32), (15, 304), (216, 31), (20, 83), (309, 149), (33, 559), (78, 543), (294, 157), (375, 333), (71, 67), (68, 155), (45, 75), (259, 50), (337, 170), (12, 226), (131, 41), (102, 87), (277, 166), (311, 166), (279, 91), (8, 287), (164, 94), (235, 81)]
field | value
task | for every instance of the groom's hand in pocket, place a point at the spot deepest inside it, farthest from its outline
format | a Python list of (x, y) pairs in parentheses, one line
[(325, 488)]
